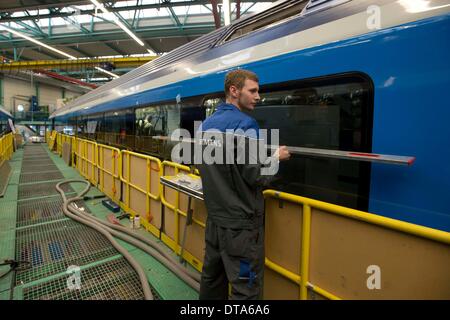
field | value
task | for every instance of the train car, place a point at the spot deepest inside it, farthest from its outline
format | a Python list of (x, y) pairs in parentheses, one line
[(362, 76), (4, 121)]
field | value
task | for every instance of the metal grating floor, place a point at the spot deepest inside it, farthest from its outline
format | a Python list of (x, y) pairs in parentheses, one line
[(5, 172), (51, 248), (35, 153), (39, 168), (40, 189), (52, 243), (113, 280), (42, 210), (40, 176), (35, 161)]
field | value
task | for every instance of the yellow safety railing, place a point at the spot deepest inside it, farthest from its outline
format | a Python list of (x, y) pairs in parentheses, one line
[(114, 172), (74, 148), (6, 147), (59, 144), (152, 164), (64, 138), (307, 204), (174, 244), (121, 170), (86, 166), (52, 140)]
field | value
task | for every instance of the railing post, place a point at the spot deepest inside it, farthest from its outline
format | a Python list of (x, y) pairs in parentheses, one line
[(304, 260)]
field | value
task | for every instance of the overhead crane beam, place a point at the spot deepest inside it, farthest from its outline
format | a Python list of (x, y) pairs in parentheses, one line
[(74, 64)]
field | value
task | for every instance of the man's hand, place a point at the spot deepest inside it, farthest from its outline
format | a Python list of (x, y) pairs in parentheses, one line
[(282, 153)]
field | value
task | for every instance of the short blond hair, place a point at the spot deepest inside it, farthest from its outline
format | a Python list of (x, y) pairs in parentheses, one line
[(237, 78)]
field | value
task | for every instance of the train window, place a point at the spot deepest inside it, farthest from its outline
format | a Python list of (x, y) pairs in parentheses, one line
[(191, 111), (211, 105), (317, 5), (267, 19), (119, 127), (335, 113), (150, 121), (81, 126), (95, 126), (153, 121), (157, 120)]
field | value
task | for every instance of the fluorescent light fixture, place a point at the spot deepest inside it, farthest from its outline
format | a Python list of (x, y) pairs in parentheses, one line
[(227, 12), (107, 72), (20, 34), (114, 18)]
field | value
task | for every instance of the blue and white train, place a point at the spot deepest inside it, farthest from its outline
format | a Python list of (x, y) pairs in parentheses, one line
[(354, 75)]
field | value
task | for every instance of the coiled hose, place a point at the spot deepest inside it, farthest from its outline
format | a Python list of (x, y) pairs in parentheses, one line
[(147, 245)]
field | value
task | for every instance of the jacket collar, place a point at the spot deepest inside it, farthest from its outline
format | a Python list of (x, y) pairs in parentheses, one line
[(227, 106)]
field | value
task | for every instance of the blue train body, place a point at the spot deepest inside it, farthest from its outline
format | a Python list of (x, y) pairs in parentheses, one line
[(408, 66)]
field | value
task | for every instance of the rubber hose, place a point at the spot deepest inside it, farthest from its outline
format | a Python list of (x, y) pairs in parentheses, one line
[(172, 267), (189, 277), (136, 266), (142, 242), (147, 241)]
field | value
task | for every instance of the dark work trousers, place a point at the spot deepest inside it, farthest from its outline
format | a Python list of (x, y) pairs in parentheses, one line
[(234, 256)]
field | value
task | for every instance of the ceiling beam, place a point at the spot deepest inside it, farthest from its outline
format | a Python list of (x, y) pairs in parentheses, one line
[(77, 25), (113, 9), (113, 35), (34, 22), (173, 14), (43, 5)]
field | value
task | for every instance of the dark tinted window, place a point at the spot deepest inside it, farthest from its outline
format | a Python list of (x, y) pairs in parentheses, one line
[(335, 114), (119, 127)]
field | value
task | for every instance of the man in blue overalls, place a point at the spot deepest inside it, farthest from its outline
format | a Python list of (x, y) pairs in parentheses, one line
[(234, 233)]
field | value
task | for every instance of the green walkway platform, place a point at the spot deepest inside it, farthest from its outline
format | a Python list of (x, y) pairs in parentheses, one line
[(54, 248)]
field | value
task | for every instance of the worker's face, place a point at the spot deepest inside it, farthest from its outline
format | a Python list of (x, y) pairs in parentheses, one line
[(248, 96)]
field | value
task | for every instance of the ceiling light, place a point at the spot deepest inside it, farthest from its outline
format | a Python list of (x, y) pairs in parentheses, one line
[(227, 12), (20, 34), (107, 72)]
